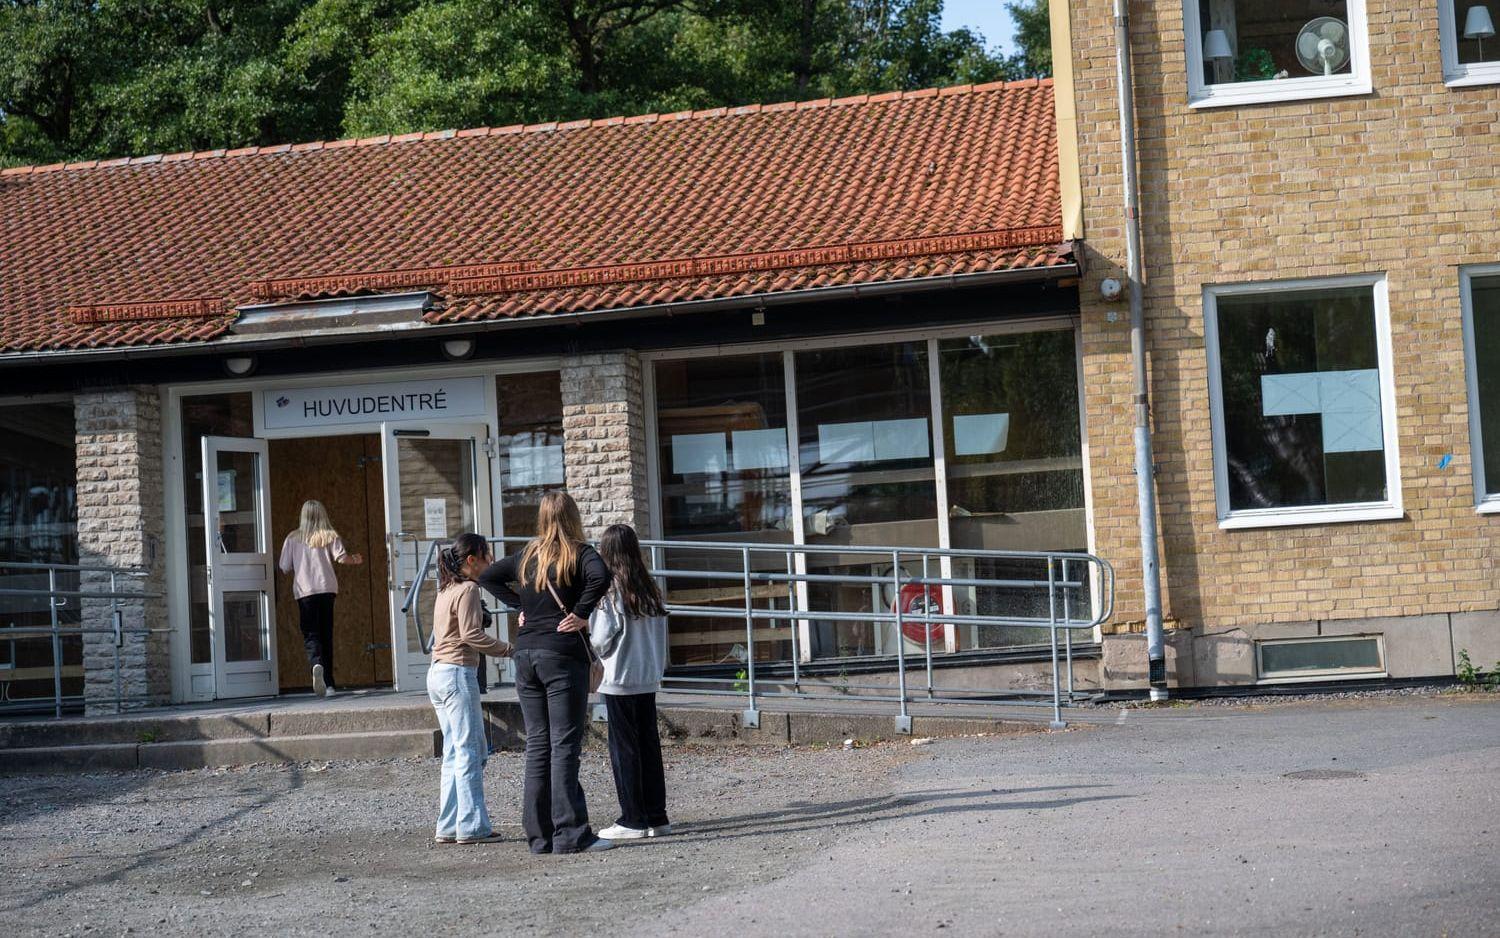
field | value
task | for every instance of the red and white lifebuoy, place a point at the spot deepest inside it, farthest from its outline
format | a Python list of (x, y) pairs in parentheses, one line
[(920, 599)]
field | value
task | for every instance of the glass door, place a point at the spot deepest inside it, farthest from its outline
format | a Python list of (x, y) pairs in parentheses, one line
[(240, 567), (437, 486)]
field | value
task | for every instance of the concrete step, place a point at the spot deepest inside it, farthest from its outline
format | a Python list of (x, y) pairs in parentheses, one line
[(202, 753)]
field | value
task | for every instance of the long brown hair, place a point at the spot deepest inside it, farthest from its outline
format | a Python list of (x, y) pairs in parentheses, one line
[(632, 580), (451, 559), (315, 529), (552, 554)]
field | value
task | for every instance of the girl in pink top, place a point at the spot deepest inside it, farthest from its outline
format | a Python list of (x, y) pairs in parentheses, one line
[(309, 554)]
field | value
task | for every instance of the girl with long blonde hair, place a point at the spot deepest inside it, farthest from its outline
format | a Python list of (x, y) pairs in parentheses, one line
[(555, 581), (309, 554)]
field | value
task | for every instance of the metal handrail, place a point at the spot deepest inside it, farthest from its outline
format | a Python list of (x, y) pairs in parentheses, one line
[(1064, 580), (55, 630)]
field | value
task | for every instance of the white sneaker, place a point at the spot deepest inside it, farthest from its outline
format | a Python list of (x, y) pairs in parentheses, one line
[(320, 689), (598, 845), (331, 692), (621, 832), (661, 831)]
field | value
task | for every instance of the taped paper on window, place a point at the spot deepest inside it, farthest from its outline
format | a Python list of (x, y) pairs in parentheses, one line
[(700, 453), (978, 434), (759, 449)]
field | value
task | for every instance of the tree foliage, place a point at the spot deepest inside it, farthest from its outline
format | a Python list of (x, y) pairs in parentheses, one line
[(93, 78)]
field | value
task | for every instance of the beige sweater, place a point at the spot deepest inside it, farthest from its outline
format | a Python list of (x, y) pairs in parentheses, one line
[(458, 635)]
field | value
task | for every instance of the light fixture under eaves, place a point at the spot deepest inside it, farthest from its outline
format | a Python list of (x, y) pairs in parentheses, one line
[(458, 349), (240, 365)]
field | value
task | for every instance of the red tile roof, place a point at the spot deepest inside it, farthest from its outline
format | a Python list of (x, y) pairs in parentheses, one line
[(535, 220)]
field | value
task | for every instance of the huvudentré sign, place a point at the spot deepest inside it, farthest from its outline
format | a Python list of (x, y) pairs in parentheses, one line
[(395, 402)]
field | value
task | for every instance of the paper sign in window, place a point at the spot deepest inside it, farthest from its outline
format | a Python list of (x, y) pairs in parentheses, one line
[(1347, 401), (699, 453), (532, 466), (226, 489), (845, 442), (978, 434), (873, 440), (435, 517), (759, 449)]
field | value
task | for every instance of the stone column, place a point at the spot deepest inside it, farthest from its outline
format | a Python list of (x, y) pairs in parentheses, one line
[(121, 522), (604, 440)]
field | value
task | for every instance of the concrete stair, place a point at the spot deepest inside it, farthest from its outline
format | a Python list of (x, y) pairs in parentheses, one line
[(404, 726)]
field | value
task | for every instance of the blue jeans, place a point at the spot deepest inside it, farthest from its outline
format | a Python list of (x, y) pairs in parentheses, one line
[(454, 692)]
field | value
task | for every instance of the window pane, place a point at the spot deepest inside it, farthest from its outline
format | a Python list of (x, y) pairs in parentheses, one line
[(1345, 654), (1301, 382), (206, 415), (1015, 471), (1268, 40), (867, 476), (38, 484), (1486, 307), (244, 627), (239, 495), (1475, 30), (725, 474), (531, 446)]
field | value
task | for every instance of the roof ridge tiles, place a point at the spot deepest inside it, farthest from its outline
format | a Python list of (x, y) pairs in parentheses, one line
[(548, 127)]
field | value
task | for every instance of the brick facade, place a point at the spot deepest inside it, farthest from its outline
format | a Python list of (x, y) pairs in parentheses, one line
[(604, 440), (1400, 182), (120, 524)]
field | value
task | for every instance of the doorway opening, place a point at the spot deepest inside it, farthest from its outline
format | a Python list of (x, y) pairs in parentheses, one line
[(344, 473)]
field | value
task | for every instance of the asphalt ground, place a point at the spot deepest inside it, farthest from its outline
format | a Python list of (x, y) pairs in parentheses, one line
[(1344, 817)]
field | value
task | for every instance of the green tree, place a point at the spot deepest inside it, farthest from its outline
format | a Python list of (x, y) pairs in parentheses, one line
[(1034, 37)]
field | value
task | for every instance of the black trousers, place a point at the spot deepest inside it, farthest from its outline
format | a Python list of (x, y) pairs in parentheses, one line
[(635, 756), (554, 691), (317, 631)]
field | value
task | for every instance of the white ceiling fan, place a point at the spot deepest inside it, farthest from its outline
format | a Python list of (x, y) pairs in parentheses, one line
[(1323, 45)]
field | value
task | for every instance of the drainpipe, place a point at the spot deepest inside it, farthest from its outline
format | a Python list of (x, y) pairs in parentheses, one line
[(1145, 467)]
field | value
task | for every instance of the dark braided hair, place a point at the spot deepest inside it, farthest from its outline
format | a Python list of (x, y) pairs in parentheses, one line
[(451, 559)]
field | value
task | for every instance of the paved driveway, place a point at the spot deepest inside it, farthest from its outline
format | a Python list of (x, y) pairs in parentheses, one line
[(1344, 818)]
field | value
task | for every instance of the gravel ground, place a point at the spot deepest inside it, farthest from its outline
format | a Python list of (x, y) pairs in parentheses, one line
[(1357, 816), (345, 848)]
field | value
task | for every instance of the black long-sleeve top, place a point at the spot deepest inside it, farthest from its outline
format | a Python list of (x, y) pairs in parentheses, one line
[(588, 584)]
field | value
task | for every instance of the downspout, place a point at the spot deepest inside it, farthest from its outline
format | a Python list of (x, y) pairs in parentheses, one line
[(1145, 466)]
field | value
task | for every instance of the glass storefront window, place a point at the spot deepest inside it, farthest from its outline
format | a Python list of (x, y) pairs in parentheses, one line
[(531, 446), (1300, 397), (725, 471), (1014, 468), (38, 524), (864, 421), (205, 415)]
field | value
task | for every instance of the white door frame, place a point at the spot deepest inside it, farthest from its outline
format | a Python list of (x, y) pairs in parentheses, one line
[(406, 550), (240, 572)]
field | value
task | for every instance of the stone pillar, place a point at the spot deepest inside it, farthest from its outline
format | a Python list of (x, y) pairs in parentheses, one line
[(604, 440), (121, 522)]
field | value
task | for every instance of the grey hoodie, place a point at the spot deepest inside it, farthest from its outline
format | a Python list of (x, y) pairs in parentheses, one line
[(633, 649)]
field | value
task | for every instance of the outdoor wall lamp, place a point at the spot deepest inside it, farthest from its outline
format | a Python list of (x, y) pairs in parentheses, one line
[(240, 365), (458, 349)]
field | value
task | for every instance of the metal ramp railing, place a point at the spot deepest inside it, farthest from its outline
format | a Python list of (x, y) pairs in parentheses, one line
[(1055, 594)]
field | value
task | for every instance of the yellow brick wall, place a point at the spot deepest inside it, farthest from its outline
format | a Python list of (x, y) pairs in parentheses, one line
[(1401, 181)]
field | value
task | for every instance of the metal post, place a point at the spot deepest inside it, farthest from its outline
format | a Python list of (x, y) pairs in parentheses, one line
[(1057, 720), (52, 601), (751, 715), (791, 598), (115, 619), (927, 632), (903, 720), (1145, 464), (1067, 626)]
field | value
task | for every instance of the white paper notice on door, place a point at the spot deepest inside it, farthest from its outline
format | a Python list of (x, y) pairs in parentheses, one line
[(435, 516)]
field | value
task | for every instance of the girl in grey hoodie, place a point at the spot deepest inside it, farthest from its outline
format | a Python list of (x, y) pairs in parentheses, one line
[(629, 632)]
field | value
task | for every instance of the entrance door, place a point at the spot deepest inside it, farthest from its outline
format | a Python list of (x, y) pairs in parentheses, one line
[(437, 486), (241, 567)]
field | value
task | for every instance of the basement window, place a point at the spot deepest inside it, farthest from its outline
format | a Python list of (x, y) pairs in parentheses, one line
[(1255, 51), (1308, 659)]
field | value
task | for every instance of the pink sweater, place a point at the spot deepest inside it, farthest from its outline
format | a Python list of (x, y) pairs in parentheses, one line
[(311, 567)]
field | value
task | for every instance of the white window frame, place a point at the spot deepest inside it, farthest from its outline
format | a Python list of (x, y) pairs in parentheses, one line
[(1322, 674), (1457, 75), (1483, 503), (1298, 88), (1386, 510)]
